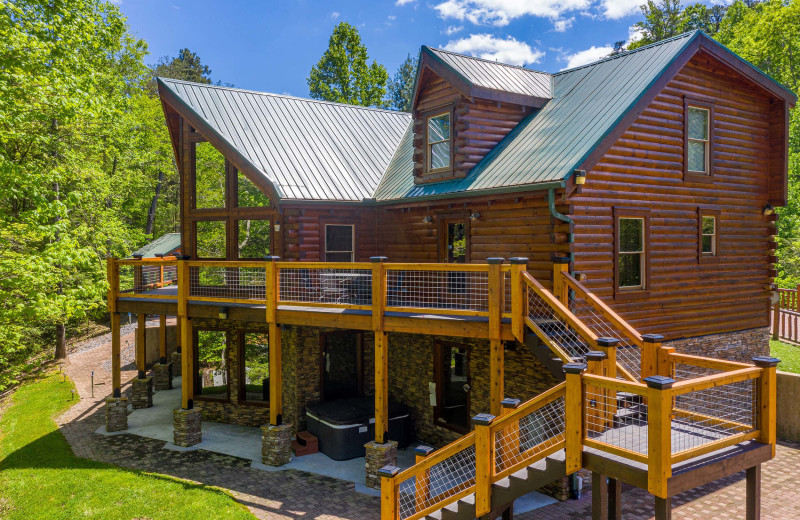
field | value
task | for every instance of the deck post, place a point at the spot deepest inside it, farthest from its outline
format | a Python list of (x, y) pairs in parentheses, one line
[(753, 493), (663, 508), (518, 265), (651, 344), (614, 499), (599, 496), (496, 358), (272, 288), (422, 488), (162, 339), (381, 350), (388, 492), (573, 417), (767, 399), (484, 463), (141, 346), (509, 442), (185, 332), (560, 289), (659, 434), (112, 274), (597, 408), (609, 347), (116, 374)]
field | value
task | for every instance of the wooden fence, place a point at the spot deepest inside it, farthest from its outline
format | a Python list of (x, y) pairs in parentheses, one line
[(785, 319)]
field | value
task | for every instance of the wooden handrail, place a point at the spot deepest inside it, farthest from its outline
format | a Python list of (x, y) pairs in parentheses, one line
[(437, 456), (561, 310), (615, 319), (148, 261), (704, 362), (529, 406), (611, 383), (711, 381)]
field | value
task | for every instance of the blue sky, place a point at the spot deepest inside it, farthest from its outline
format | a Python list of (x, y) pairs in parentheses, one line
[(271, 45)]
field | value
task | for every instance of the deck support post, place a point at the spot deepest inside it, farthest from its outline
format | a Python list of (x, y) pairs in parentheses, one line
[(116, 368), (663, 508), (767, 400), (275, 349), (185, 331), (141, 344), (753, 493), (659, 434), (573, 420), (496, 353), (484, 463), (599, 497), (162, 339), (381, 350), (518, 265), (560, 289), (614, 499)]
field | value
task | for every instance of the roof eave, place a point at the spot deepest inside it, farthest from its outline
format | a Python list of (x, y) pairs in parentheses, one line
[(503, 190)]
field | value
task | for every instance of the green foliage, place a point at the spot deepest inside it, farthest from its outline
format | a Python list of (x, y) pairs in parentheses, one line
[(41, 478), (788, 354), (666, 18), (185, 66), (343, 75), (401, 86)]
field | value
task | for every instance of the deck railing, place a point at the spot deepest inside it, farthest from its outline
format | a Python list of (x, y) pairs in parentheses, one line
[(785, 322)]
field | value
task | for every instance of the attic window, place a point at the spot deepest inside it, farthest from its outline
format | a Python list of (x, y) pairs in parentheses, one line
[(439, 148), (698, 139)]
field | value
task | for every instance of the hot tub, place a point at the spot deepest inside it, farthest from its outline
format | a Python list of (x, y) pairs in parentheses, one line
[(344, 426)]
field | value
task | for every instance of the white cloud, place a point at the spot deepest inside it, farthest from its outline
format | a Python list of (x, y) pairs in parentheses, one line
[(335, 15), (564, 24), (392, 17), (488, 47), (404, 2), (501, 12), (634, 35), (115, 2), (587, 56), (616, 9), (452, 29)]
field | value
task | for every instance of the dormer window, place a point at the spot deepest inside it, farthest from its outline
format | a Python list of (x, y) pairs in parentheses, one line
[(439, 142)]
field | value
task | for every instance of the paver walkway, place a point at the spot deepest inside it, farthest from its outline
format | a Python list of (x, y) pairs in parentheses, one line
[(294, 494)]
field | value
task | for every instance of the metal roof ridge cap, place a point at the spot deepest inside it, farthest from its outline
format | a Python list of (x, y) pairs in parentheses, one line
[(282, 96), (441, 62), (628, 53), (520, 67)]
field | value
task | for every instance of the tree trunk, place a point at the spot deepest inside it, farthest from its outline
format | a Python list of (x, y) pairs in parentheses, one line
[(151, 215), (61, 341)]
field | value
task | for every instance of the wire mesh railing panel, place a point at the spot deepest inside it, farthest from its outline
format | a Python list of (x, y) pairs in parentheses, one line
[(683, 371), (439, 290), (507, 292), (328, 286), (146, 278), (532, 434), (616, 418), (442, 481), (712, 414), (225, 282), (554, 327), (628, 353)]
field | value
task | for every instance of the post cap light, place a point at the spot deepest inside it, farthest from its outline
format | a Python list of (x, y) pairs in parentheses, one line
[(768, 209), (223, 313), (580, 177)]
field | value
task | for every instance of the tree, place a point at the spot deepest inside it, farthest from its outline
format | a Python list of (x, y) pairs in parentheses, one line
[(343, 75), (661, 20), (401, 86), (186, 66)]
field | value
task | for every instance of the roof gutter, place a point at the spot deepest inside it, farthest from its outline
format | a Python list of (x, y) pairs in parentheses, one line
[(505, 190), (551, 202)]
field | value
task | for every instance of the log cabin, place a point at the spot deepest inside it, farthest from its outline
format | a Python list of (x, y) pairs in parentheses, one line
[(577, 265)]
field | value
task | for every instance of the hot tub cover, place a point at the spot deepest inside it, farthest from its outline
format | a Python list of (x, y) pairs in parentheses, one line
[(354, 410)]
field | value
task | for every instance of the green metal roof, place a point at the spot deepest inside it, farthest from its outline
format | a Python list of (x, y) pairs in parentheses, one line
[(163, 245)]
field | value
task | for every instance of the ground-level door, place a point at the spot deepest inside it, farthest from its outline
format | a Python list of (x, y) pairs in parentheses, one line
[(452, 380), (342, 365)]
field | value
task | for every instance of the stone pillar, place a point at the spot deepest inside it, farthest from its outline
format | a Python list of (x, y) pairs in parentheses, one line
[(176, 362), (116, 414), (276, 444), (378, 456), (162, 376), (142, 393), (187, 427)]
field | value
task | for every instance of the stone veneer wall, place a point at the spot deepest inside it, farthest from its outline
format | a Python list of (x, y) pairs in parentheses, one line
[(231, 411), (734, 346), (411, 369)]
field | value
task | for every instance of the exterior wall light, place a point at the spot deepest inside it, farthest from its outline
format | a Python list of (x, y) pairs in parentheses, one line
[(223, 313), (277, 228), (474, 215), (428, 219), (768, 209), (580, 177)]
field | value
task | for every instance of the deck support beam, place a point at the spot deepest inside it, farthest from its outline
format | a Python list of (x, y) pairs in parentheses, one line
[(116, 368), (753, 493), (141, 347)]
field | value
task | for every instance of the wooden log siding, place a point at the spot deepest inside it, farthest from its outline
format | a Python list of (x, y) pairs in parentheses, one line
[(644, 169), (303, 228), (506, 227), (477, 126)]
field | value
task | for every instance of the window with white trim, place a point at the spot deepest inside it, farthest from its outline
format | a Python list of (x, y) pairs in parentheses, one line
[(698, 121), (339, 242), (631, 253), (439, 142)]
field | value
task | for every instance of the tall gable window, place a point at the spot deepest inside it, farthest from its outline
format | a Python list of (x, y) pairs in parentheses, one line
[(698, 133), (439, 143)]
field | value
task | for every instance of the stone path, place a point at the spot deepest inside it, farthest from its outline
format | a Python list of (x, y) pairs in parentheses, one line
[(294, 494)]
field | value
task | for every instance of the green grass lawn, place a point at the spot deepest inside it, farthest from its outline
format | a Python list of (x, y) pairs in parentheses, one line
[(40, 478), (788, 354)]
